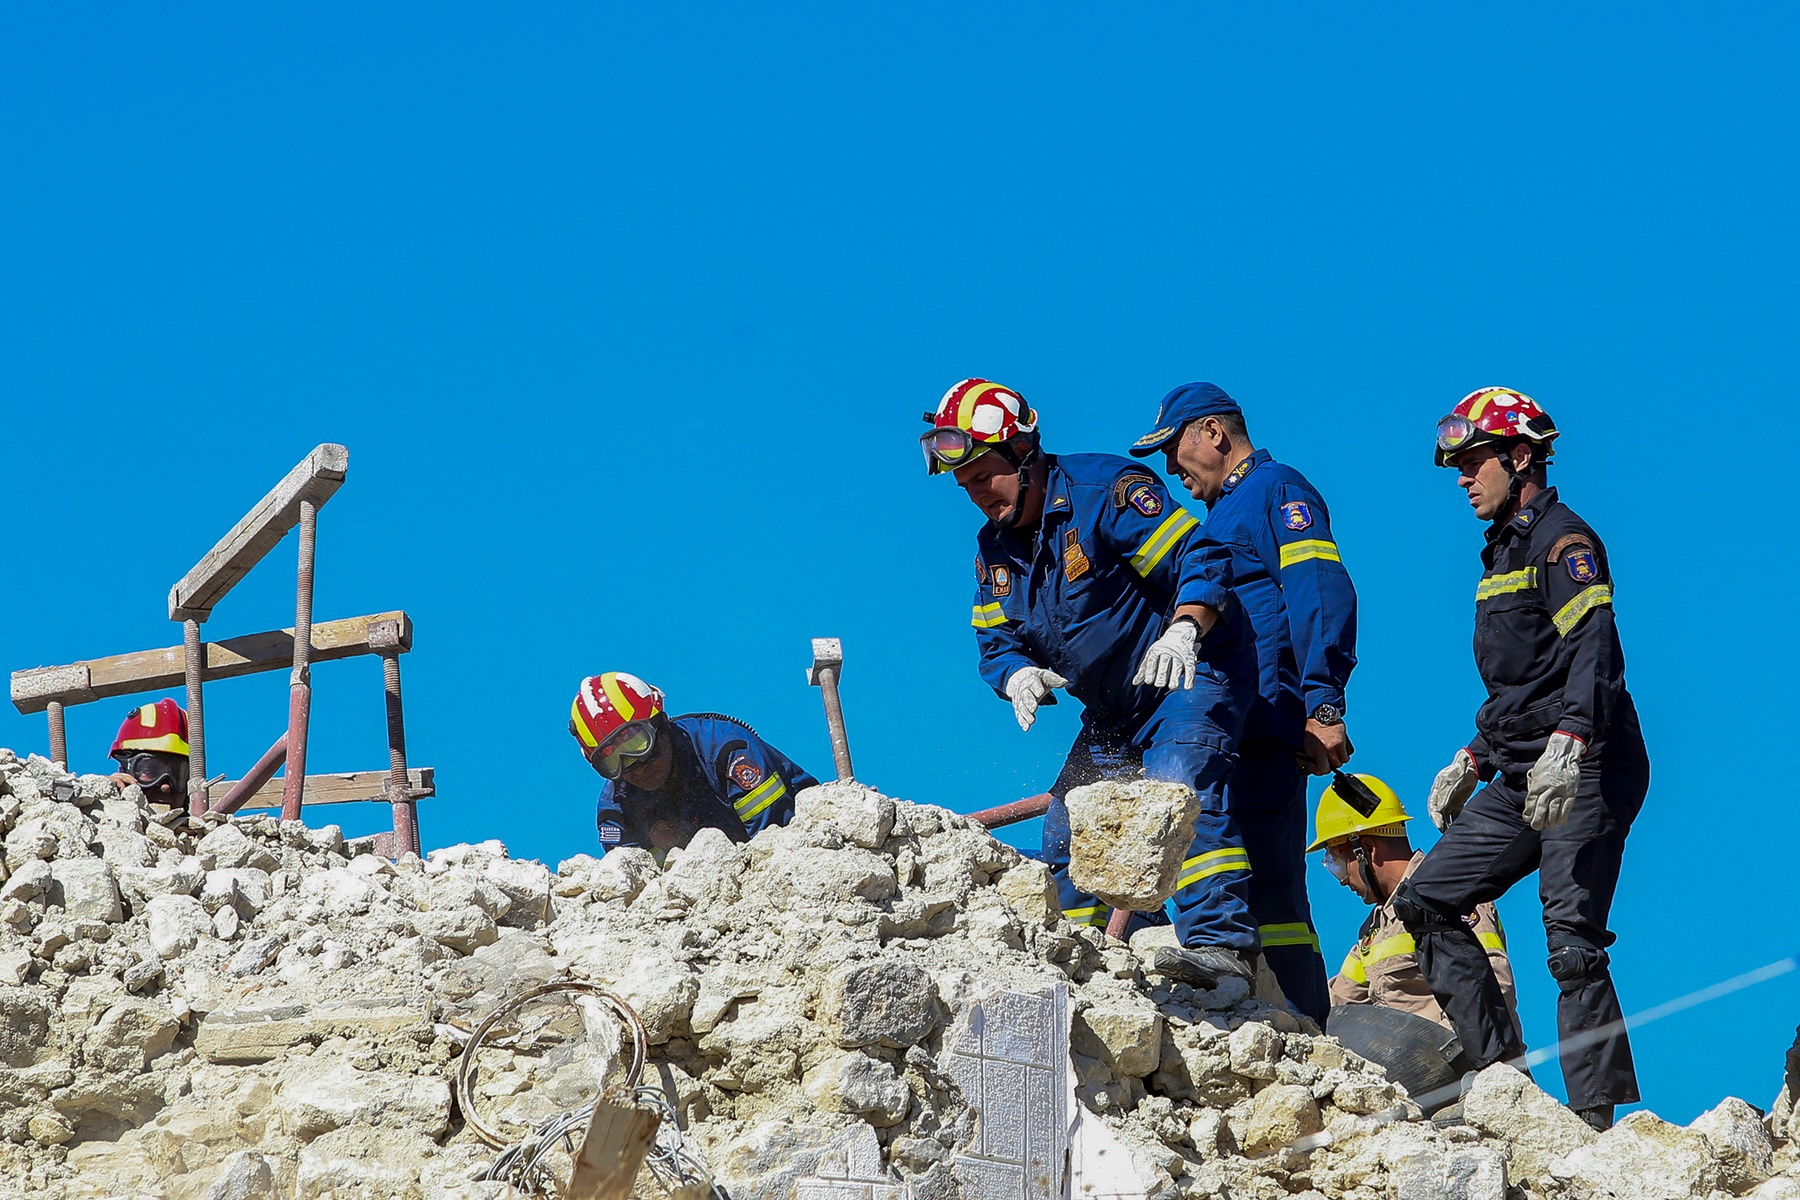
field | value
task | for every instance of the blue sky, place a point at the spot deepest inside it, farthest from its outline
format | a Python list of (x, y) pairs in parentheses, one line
[(627, 318)]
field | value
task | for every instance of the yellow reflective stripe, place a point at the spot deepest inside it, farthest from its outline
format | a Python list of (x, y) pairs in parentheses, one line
[(147, 715), (1492, 941), (581, 730), (1092, 915), (1213, 862), (1353, 967), (1299, 552), (1294, 933), (1500, 585), (1157, 546), (620, 701), (1585, 602), (767, 793), (1394, 947), (987, 616), (965, 407)]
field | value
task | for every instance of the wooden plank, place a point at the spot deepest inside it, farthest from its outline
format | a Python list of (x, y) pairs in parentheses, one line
[(619, 1134), (154, 670), (349, 787), (317, 478)]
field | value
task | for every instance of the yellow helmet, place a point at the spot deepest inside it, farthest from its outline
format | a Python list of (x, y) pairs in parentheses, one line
[(1336, 818)]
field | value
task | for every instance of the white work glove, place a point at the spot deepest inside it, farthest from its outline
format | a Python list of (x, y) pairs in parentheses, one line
[(1027, 688), (1551, 783), (1169, 663), (1451, 789)]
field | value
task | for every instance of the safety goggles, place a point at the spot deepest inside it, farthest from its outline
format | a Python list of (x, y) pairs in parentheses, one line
[(1337, 860), (1454, 433), (622, 747), (950, 447), (152, 771)]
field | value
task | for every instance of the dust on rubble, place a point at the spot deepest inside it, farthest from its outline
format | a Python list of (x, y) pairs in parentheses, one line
[(247, 1007)]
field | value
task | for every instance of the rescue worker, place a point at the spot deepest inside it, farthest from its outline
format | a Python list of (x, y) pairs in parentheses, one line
[(1088, 577), (151, 749), (1290, 578), (667, 777), (1371, 855), (1559, 745)]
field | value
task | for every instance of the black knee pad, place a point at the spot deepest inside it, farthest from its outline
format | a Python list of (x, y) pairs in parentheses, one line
[(1577, 962), (1418, 916)]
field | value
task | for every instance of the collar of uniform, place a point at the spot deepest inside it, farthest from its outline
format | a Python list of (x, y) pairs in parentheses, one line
[(1527, 517), (1243, 469)]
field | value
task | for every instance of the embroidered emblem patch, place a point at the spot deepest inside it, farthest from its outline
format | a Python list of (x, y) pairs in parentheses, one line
[(1296, 516), (744, 771), (1238, 472), (1568, 541), (1075, 560), (981, 574), (1524, 519), (1002, 581), (611, 834), (1154, 436), (1583, 566), (1123, 484), (1143, 497)]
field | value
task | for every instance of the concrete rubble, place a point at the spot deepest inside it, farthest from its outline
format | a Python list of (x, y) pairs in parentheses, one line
[(1127, 840), (878, 1001)]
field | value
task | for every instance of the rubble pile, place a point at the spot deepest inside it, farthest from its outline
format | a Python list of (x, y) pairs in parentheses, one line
[(235, 1008)]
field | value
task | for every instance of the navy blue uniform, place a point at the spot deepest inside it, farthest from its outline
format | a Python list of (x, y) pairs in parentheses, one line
[(724, 777), (1289, 577), (1549, 653), (1085, 597)]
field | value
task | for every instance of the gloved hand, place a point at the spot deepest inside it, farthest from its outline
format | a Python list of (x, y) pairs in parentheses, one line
[(1551, 783), (1027, 687), (1169, 663), (1452, 789)]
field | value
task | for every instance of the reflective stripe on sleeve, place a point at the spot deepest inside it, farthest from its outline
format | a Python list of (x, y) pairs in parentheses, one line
[(1204, 866), (1394, 947), (1299, 552), (1492, 941), (766, 793), (1156, 547), (987, 616), (1353, 968), (1295, 933), (1500, 585), (1585, 602)]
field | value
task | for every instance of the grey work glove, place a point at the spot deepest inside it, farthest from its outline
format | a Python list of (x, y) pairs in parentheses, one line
[(1169, 663), (1452, 789), (1551, 783), (1027, 687)]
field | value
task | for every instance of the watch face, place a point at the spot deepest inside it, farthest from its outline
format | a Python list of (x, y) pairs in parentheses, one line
[(1327, 714)]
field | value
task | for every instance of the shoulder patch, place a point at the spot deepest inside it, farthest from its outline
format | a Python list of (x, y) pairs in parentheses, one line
[(611, 833), (1002, 581), (1570, 541), (745, 772), (1296, 515), (1523, 520), (1123, 486), (1143, 497), (1583, 565)]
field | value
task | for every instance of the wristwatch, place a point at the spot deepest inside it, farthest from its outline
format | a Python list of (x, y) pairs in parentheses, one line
[(1327, 714)]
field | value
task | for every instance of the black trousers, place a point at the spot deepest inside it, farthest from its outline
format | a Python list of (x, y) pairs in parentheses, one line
[(1487, 849)]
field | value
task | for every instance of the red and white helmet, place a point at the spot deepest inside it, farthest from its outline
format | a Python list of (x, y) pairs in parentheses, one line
[(607, 703), (975, 416), (160, 728), (1491, 416)]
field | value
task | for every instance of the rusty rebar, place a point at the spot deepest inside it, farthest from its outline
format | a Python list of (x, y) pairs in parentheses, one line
[(399, 787), (293, 786), (1116, 923), (59, 738), (261, 773), (193, 663), (1012, 814)]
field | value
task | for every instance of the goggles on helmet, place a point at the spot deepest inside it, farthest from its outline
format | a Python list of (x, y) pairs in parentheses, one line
[(152, 771), (1455, 433), (951, 447), (622, 747)]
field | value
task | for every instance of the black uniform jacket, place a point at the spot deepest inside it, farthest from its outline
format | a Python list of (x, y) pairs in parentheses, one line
[(1545, 642)]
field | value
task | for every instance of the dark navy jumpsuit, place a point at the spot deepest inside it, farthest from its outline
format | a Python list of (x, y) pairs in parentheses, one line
[(1548, 652), (1289, 577), (724, 777), (1085, 596)]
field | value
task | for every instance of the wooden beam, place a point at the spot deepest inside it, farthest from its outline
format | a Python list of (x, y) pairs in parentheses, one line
[(350, 787), (317, 477), (154, 670)]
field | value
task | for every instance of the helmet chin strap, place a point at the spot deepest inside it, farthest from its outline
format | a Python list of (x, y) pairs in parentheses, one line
[(1023, 462), (1362, 857), (1515, 482)]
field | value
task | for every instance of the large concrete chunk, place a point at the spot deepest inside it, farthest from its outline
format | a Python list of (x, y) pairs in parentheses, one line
[(1643, 1157), (1738, 1139), (84, 888), (884, 1002), (1128, 840), (1507, 1105), (317, 1099)]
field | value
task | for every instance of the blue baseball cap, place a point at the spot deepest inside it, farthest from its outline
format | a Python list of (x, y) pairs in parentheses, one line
[(1189, 402)]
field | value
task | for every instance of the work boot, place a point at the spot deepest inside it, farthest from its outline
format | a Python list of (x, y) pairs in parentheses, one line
[(1600, 1116), (1202, 966)]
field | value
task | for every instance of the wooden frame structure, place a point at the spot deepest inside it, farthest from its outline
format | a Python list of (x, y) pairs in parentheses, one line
[(294, 501)]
